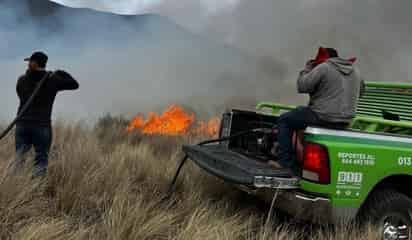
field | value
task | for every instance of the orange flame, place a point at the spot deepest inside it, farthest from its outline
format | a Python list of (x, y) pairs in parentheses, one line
[(173, 122)]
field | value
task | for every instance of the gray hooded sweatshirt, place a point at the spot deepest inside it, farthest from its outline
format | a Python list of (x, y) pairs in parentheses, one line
[(334, 88)]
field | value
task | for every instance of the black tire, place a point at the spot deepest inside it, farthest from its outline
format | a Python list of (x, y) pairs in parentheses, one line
[(386, 208)]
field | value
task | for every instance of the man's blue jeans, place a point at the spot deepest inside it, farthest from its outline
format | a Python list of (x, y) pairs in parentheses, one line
[(297, 119), (38, 137)]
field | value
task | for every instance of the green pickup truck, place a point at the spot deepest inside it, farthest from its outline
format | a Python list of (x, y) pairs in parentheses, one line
[(359, 173)]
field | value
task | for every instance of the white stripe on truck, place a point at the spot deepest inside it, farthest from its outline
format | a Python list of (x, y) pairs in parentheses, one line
[(354, 134)]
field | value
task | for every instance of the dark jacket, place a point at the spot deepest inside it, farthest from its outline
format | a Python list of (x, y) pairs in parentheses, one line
[(40, 110), (334, 88)]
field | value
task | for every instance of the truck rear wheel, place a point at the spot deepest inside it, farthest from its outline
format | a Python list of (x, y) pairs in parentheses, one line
[(391, 212)]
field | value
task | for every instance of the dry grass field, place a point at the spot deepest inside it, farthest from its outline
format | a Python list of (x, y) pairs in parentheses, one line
[(104, 183)]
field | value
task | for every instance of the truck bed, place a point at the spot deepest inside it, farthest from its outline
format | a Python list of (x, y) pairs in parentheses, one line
[(238, 168)]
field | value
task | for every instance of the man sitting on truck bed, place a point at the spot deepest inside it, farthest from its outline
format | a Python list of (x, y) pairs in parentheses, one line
[(334, 86)]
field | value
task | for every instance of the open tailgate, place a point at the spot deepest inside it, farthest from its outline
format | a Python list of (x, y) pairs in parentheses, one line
[(234, 167)]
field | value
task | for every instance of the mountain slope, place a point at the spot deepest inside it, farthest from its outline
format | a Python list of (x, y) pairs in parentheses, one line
[(136, 62)]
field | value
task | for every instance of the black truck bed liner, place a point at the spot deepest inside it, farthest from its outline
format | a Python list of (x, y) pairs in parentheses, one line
[(235, 167)]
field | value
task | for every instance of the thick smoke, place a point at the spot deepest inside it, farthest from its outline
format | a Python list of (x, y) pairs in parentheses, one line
[(241, 51), (375, 31), (124, 64)]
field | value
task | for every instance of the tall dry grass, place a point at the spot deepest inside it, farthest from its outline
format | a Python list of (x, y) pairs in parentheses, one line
[(106, 184)]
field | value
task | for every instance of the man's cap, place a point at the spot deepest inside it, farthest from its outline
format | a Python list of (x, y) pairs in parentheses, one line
[(39, 57)]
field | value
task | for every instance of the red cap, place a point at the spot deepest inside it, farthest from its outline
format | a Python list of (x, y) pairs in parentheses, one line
[(323, 56)]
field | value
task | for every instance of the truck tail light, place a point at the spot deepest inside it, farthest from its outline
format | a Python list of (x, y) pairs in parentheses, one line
[(316, 163)]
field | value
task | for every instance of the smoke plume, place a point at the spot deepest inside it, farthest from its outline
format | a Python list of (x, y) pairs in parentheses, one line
[(220, 53)]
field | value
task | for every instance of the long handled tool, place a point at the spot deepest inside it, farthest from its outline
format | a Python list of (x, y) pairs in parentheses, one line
[(26, 105)]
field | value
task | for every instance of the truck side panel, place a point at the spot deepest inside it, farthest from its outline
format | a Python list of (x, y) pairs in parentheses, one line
[(358, 163)]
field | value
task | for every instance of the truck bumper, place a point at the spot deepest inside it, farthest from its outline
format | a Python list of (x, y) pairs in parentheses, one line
[(305, 206)]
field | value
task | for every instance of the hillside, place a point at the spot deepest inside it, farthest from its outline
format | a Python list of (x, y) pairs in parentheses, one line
[(172, 63)]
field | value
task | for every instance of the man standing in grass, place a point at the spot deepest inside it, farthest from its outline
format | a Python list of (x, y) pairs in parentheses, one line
[(33, 127)]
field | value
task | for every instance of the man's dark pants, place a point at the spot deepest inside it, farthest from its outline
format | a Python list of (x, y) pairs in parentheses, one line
[(38, 137), (289, 122)]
